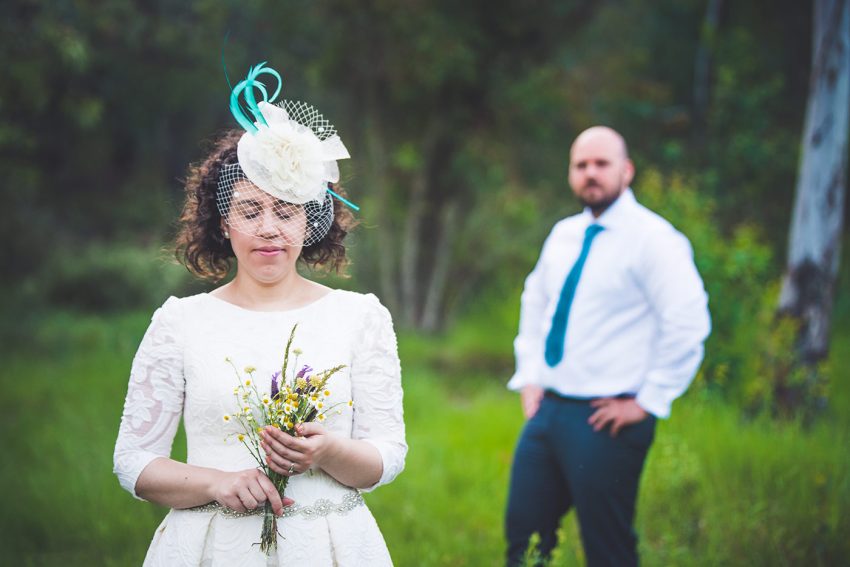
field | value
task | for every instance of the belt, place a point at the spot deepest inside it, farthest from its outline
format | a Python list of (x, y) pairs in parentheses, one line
[(552, 394), (319, 509)]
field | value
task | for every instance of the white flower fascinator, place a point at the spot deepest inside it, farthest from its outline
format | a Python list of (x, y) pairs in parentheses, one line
[(281, 187)]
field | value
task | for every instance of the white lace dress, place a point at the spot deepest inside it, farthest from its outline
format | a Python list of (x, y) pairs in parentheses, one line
[(180, 369)]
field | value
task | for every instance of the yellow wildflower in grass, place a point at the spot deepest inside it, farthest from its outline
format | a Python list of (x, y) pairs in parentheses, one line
[(226, 418), (289, 425), (247, 382), (241, 437), (327, 393), (320, 405), (266, 401), (321, 417), (314, 398)]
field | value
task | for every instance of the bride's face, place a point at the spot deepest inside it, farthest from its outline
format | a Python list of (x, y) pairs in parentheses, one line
[(266, 235)]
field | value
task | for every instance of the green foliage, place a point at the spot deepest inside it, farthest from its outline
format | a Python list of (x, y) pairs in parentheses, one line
[(109, 277), (739, 276)]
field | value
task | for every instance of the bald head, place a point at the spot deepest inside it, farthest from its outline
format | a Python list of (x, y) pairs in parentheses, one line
[(600, 168), (602, 136)]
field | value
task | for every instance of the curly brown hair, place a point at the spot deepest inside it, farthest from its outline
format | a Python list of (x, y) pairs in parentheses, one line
[(200, 244)]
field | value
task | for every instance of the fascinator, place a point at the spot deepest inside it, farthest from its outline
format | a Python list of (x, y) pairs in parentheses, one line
[(281, 189)]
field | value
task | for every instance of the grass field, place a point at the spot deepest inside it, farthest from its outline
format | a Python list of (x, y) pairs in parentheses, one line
[(718, 489)]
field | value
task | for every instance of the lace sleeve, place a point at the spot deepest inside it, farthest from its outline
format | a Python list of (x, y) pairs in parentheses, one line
[(376, 390), (154, 400)]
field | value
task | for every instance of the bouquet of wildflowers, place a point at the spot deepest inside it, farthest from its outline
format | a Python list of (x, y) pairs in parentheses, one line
[(293, 398)]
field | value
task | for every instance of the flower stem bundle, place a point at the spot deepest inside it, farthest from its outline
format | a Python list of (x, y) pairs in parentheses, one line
[(294, 397)]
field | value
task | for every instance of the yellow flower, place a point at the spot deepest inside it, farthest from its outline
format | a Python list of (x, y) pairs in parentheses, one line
[(301, 383), (241, 437), (320, 405), (259, 430), (249, 369), (266, 401), (277, 425), (321, 417), (247, 382), (288, 424), (350, 403), (297, 351), (226, 418), (327, 393)]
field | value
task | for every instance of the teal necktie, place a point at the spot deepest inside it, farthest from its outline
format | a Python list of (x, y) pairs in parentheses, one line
[(555, 340)]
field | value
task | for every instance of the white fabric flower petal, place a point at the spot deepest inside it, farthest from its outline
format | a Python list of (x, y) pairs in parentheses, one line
[(287, 160)]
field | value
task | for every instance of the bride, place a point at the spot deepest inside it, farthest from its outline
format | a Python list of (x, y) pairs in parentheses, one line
[(267, 198)]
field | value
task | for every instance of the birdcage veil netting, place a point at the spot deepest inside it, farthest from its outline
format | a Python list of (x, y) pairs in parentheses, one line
[(247, 209)]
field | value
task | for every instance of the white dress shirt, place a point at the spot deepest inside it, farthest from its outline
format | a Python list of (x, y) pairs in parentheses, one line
[(639, 316)]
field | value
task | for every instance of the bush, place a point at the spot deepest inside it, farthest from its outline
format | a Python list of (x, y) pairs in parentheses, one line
[(112, 277)]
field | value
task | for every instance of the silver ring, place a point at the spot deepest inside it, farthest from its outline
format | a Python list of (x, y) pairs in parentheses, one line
[(292, 468)]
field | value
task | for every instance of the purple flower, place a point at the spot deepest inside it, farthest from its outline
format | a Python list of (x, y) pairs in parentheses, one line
[(303, 371), (275, 387)]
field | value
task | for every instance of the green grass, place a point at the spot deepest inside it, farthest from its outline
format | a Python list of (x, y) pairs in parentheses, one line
[(718, 489)]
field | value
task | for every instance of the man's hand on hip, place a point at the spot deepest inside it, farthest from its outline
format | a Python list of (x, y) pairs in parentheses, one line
[(618, 412), (530, 396)]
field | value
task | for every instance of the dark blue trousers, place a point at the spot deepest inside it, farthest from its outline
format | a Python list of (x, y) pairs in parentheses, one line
[(560, 463)]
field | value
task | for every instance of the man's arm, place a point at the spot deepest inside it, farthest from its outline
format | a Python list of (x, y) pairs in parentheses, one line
[(528, 344), (676, 294)]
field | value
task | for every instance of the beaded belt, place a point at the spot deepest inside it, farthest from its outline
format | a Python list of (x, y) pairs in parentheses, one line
[(319, 509)]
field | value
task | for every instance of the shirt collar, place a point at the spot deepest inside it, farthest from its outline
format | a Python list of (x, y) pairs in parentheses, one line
[(617, 213)]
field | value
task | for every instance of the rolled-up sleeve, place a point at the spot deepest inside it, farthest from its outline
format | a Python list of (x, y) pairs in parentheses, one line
[(680, 303), (154, 401), (377, 392), (529, 342)]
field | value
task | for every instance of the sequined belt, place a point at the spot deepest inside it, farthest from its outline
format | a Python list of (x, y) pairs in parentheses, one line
[(319, 509)]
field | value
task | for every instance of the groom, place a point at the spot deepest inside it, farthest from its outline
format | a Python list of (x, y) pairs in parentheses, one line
[(612, 323)]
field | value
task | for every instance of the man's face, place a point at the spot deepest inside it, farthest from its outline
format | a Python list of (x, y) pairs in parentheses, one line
[(599, 169)]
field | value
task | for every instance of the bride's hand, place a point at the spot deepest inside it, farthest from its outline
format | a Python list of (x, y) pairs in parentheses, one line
[(289, 455), (247, 490)]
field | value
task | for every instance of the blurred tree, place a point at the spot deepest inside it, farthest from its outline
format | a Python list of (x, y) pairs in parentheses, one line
[(815, 238), (436, 85)]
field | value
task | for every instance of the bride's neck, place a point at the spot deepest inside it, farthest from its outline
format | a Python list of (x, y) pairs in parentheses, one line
[(288, 293)]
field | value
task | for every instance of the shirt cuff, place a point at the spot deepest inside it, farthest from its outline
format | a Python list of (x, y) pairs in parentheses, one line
[(655, 399), (521, 379), (129, 466), (393, 462)]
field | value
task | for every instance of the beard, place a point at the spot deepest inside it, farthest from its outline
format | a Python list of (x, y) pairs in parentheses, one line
[(598, 204)]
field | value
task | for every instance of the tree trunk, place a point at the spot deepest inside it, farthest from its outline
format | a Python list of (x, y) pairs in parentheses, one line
[(378, 177), (702, 67), (433, 309), (814, 243)]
